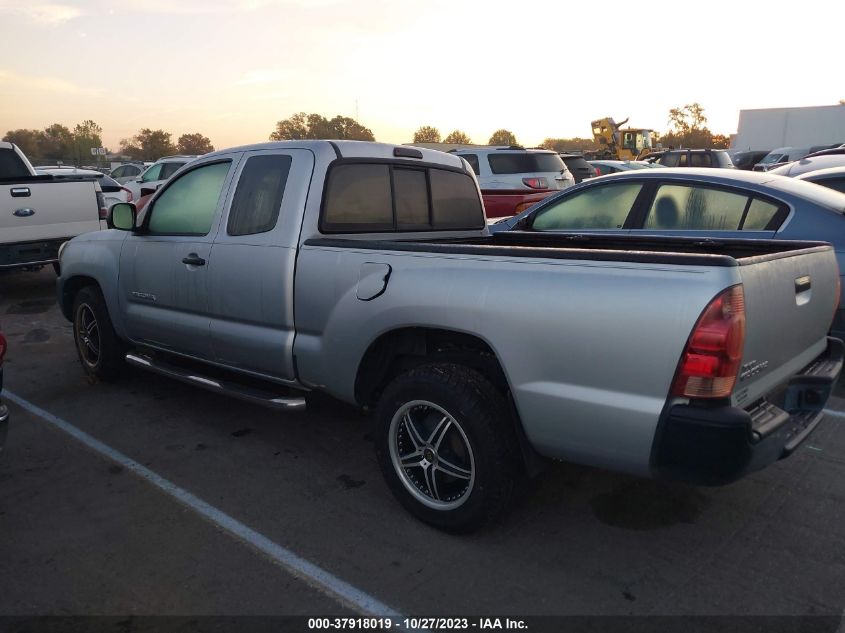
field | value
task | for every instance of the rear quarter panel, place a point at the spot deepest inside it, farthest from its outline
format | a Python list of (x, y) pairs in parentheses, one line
[(589, 348)]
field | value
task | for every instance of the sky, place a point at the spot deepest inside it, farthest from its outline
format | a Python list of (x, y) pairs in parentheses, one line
[(231, 69)]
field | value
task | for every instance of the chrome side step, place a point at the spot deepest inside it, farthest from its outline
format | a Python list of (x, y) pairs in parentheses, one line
[(242, 392)]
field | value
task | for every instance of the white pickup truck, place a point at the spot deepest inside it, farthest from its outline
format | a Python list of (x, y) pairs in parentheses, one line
[(39, 213)]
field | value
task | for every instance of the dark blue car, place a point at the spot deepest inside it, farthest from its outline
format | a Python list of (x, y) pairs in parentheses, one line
[(710, 203)]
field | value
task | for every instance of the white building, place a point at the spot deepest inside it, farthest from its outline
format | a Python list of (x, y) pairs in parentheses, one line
[(769, 128)]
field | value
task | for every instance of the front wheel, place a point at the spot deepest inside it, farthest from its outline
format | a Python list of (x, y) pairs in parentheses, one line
[(446, 446), (100, 350)]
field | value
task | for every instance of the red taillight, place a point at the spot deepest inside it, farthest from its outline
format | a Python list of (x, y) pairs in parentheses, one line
[(101, 202), (128, 194), (710, 362), (535, 183), (2, 347)]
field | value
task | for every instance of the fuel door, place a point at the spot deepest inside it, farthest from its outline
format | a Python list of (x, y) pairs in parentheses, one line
[(372, 280)]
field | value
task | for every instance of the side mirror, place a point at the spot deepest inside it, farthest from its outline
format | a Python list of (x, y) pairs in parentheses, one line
[(122, 216)]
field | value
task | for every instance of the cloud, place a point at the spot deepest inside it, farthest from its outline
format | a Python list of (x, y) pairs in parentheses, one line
[(49, 13), (13, 82), (210, 7)]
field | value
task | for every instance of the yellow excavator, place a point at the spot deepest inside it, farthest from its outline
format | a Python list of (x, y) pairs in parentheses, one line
[(619, 144)]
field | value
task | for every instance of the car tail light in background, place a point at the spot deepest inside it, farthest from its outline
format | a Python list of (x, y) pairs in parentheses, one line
[(535, 183), (710, 363), (101, 202), (2, 348), (128, 194)]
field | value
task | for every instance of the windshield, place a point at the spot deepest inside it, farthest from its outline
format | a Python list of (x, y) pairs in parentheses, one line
[(524, 163), (773, 158)]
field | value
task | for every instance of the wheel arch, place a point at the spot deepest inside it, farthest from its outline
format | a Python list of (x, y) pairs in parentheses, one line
[(400, 350), (70, 289)]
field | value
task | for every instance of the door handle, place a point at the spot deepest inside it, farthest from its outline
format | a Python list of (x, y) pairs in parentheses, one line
[(21, 192), (193, 260)]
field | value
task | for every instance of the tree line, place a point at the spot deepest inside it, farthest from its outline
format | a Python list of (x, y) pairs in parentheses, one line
[(688, 128), (58, 142)]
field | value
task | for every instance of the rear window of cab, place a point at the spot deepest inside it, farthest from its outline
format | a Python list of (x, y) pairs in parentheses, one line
[(385, 197)]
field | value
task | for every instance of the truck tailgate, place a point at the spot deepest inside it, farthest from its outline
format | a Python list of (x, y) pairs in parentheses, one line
[(790, 300), (47, 210)]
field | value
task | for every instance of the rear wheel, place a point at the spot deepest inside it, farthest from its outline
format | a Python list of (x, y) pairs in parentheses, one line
[(446, 446), (100, 350)]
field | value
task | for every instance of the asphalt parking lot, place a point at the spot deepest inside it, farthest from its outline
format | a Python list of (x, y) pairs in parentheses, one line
[(81, 534)]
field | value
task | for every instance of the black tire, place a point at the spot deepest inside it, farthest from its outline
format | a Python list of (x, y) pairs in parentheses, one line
[(478, 445), (100, 350)]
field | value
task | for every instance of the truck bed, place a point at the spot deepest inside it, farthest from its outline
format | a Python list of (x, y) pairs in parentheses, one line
[(639, 248)]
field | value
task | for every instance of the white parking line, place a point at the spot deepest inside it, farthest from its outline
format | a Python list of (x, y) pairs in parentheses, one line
[(311, 574), (835, 414)]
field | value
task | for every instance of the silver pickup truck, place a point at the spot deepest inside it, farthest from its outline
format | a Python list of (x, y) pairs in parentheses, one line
[(366, 271)]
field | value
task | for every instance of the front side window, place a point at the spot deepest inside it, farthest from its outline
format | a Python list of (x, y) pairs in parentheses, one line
[(604, 207), (168, 169), (669, 160), (188, 205), (153, 173), (258, 197), (683, 207)]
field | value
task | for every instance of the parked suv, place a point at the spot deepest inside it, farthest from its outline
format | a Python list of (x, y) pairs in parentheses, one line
[(517, 168), (157, 174), (696, 158)]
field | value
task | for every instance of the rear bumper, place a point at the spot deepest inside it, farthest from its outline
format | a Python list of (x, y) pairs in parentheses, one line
[(30, 253), (718, 445)]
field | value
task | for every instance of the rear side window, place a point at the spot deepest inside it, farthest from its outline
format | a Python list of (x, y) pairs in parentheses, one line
[(837, 184), (604, 207), (472, 159), (258, 197), (700, 159), (681, 207), (11, 166), (760, 213), (682, 160), (380, 197), (524, 163), (188, 205)]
